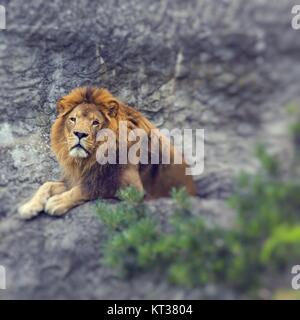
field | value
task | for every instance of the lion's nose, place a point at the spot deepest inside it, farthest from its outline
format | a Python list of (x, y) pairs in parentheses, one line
[(80, 135)]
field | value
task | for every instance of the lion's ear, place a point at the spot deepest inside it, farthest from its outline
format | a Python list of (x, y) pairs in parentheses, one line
[(60, 108), (112, 108)]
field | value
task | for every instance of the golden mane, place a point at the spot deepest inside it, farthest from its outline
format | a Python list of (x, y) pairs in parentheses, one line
[(107, 104)]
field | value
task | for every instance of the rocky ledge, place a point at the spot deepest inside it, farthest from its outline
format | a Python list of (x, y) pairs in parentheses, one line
[(229, 67)]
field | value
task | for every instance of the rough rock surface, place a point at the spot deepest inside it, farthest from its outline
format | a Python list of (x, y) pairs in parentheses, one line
[(226, 66)]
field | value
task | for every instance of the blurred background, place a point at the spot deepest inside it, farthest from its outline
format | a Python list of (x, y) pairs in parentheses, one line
[(230, 67)]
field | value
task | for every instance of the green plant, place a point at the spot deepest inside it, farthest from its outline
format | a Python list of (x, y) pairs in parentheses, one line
[(189, 253)]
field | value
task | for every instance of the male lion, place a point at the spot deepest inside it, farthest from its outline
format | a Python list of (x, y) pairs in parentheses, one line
[(81, 114)]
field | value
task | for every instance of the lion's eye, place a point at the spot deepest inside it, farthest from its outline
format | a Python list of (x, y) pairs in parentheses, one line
[(95, 122), (72, 119)]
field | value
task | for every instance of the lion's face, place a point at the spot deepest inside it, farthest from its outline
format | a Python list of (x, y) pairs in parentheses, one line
[(81, 127)]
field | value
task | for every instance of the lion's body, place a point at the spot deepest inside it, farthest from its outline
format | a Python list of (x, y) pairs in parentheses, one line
[(84, 178)]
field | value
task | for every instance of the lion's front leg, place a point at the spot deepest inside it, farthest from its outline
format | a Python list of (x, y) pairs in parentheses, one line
[(37, 203), (131, 177), (61, 203)]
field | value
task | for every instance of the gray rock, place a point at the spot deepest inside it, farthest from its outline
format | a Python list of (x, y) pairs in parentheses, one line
[(229, 67)]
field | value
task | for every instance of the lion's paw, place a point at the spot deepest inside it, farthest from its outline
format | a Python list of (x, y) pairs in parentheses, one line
[(30, 209), (56, 206)]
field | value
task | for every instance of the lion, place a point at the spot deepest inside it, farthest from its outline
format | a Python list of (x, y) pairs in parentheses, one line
[(80, 116)]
